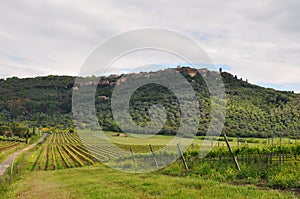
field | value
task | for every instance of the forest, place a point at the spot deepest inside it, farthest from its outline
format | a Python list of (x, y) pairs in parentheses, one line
[(251, 110)]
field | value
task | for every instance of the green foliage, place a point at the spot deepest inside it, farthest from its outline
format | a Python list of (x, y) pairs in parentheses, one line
[(5, 130), (286, 177), (259, 165), (252, 111)]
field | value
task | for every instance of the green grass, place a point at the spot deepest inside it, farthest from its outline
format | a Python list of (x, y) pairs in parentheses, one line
[(163, 140), (205, 179), (103, 182), (133, 140)]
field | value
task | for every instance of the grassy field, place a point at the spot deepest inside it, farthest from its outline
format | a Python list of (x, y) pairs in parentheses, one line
[(102, 182), (163, 140), (42, 172)]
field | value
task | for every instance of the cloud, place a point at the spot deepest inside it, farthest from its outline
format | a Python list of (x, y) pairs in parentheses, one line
[(259, 41)]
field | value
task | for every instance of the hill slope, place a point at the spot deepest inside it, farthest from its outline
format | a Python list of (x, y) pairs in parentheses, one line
[(251, 110)]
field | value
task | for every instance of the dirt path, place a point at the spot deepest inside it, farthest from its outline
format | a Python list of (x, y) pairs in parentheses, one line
[(4, 165)]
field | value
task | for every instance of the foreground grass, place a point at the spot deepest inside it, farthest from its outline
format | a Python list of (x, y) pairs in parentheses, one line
[(103, 182)]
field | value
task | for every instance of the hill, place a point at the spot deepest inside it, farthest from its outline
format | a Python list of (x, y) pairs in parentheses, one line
[(252, 111)]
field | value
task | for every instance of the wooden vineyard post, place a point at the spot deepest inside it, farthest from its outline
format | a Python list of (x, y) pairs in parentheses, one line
[(11, 171), (267, 161), (280, 142), (280, 138), (271, 157), (134, 160), (182, 157), (231, 153), (154, 157)]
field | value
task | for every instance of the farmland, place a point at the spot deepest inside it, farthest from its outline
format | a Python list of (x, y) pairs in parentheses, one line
[(44, 169), (4, 145), (8, 147), (67, 150), (262, 163)]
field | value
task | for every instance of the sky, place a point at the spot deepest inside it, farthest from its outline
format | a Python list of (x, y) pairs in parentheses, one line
[(255, 40)]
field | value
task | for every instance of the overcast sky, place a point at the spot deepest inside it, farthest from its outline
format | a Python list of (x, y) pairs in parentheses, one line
[(257, 40)]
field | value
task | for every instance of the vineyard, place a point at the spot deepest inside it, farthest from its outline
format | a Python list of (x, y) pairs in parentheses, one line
[(68, 150), (9, 147), (271, 165), (6, 145)]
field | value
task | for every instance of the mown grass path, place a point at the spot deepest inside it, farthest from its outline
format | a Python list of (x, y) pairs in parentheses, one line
[(4, 165), (94, 182)]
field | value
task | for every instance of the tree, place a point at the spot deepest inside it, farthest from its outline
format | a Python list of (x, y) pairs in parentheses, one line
[(5, 130), (19, 130)]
